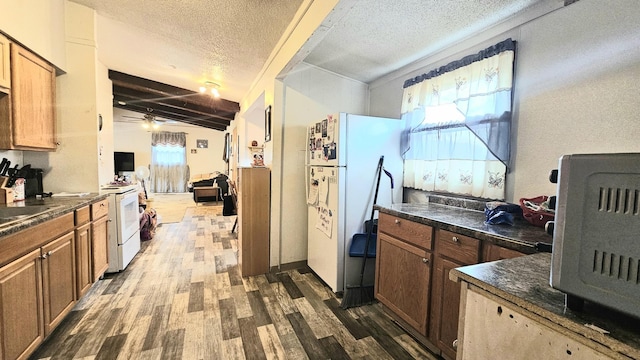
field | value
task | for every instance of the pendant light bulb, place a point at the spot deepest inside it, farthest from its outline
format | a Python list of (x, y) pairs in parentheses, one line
[(203, 89)]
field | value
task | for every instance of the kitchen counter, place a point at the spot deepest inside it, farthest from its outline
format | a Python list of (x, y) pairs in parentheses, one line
[(524, 283), (59, 206), (521, 237)]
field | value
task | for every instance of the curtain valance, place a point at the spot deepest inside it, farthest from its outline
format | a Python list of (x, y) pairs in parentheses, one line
[(169, 138), (506, 45)]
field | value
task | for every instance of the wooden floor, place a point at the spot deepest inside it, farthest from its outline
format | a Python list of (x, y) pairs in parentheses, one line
[(183, 298)]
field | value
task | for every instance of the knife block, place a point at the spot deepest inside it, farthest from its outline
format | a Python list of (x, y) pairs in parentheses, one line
[(6, 194)]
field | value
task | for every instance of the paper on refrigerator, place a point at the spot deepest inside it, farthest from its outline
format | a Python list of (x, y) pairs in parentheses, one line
[(323, 190), (324, 220), (312, 197)]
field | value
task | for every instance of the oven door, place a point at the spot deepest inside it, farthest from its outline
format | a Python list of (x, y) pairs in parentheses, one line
[(128, 222)]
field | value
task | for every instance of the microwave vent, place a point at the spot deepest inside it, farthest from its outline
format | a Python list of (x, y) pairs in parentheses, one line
[(620, 267), (621, 201)]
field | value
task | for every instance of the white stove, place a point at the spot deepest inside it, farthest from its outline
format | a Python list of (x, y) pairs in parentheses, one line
[(124, 227)]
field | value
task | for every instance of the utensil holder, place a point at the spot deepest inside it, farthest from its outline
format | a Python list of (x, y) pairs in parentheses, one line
[(6, 194)]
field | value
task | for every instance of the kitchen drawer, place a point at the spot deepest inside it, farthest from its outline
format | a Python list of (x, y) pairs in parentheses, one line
[(409, 231), (99, 209), (82, 216), (458, 247)]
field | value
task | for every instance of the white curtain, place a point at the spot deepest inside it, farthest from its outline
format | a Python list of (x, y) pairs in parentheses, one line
[(458, 121), (169, 170)]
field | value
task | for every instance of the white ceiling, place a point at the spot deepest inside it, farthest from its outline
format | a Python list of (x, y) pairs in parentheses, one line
[(183, 43)]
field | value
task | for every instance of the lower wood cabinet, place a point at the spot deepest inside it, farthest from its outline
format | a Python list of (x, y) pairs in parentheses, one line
[(403, 269), (452, 251), (99, 239), (37, 291), (58, 279), (44, 270), (84, 272), (403, 279), (413, 262), (21, 306)]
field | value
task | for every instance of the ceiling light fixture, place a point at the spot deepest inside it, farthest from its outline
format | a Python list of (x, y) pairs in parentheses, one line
[(210, 87)]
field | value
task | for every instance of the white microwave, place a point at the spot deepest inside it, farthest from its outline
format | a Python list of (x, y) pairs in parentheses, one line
[(596, 238)]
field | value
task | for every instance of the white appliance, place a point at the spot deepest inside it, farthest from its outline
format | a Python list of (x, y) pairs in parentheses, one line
[(596, 252), (342, 159), (124, 225)]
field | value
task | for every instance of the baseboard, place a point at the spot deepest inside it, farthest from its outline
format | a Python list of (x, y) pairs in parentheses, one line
[(290, 266)]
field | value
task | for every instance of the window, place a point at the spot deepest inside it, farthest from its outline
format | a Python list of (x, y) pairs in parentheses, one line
[(458, 122), (169, 171)]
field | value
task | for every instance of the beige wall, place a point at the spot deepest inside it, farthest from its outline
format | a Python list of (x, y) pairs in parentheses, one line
[(573, 88), (39, 25), (132, 137)]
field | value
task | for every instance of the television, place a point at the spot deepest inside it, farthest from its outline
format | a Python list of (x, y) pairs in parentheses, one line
[(123, 161)]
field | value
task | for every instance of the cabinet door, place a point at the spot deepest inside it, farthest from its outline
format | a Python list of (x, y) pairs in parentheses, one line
[(33, 100), (58, 280), (84, 273), (21, 306), (5, 75), (493, 252), (403, 274), (445, 307), (99, 249)]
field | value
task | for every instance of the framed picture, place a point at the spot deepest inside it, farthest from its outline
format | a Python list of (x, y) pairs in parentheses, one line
[(267, 124), (202, 144), (226, 154)]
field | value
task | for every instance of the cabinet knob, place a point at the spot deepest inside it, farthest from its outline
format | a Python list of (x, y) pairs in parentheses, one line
[(46, 255), (455, 344), (425, 260), (397, 221), (455, 239)]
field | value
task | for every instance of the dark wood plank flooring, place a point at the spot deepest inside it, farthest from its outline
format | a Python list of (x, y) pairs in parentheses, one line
[(182, 298)]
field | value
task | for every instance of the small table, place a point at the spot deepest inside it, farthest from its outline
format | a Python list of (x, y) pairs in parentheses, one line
[(206, 192)]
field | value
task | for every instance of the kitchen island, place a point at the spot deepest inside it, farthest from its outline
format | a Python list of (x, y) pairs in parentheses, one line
[(509, 309)]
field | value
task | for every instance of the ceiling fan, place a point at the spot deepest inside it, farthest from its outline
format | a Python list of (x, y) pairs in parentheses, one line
[(149, 120)]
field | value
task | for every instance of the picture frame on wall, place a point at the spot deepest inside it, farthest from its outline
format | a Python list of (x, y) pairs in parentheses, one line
[(202, 144), (267, 124)]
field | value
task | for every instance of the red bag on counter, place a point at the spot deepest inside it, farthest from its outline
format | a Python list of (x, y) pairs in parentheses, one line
[(535, 211)]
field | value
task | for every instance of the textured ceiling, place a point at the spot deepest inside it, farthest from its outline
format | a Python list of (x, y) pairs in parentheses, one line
[(185, 42), (375, 37)]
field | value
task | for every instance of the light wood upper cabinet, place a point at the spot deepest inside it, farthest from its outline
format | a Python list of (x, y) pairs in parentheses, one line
[(29, 109), (5, 74)]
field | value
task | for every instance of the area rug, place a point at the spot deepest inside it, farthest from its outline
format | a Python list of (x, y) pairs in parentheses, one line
[(171, 207)]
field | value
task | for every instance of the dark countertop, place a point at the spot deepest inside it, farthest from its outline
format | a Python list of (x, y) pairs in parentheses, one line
[(524, 282), (522, 236), (60, 206)]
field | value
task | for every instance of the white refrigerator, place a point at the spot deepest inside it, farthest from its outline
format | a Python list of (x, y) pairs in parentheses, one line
[(343, 151)]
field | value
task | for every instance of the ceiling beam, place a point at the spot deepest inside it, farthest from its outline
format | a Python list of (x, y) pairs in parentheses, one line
[(172, 103), (165, 90), (169, 113), (126, 97)]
